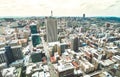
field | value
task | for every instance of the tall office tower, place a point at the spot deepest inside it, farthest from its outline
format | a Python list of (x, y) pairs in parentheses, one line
[(51, 28), (56, 48), (17, 52), (75, 43), (2, 57), (63, 46), (34, 34), (83, 16), (36, 39), (33, 28), (51, 13), (59, 50), (9, 55)]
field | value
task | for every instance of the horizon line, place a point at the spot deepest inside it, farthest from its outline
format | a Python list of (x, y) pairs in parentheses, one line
[(53, 16)]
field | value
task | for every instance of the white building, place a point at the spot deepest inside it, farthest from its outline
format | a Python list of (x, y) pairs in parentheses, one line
[(9, 72)]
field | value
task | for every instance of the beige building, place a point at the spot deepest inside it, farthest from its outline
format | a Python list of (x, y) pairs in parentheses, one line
[(51, 29)]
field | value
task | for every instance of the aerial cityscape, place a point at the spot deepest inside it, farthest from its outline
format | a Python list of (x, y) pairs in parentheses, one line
[(60, 43)]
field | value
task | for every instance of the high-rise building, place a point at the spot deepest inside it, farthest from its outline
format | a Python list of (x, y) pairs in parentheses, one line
[(83, 16), (36, 39), (33, 28), (56, 48), (59, 50), (51, 13), (17, 52), (74, 44), (34, 34), (9, 55), (2, 57), (51, 28), (63, 46)]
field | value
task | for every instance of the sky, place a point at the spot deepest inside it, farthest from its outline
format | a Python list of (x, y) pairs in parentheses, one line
[(60, 7)]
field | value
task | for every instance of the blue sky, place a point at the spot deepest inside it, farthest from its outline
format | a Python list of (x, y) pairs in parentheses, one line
[(59, 7)]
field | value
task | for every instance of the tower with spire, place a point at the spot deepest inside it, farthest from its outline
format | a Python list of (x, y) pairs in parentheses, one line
[(51, 13), (51, 28)]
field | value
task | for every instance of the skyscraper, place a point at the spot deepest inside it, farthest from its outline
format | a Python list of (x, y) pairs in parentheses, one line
[(83, 16), (33, 28), (51, 13), (56, 48), (35, 35), (75, 43), (36, 39), (17, 52), (51, 28), (2, 57), (63, 46), (9, 55)]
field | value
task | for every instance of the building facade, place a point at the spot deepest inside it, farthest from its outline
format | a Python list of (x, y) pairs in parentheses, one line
[(33, 28), (51, 29), (75, 44), (17, 52), (36, 39), (9, 55), (2, 57)]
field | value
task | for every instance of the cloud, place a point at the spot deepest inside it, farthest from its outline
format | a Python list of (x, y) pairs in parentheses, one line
[(59, 7)]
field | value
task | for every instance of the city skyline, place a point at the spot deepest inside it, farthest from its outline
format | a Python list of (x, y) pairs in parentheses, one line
[(60, 8)]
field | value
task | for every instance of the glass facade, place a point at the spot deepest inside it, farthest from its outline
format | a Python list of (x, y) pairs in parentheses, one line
[(36, 40), (36, 57), (33, 29)]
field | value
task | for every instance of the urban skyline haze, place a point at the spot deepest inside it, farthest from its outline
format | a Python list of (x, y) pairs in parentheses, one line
[(59, 7)]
